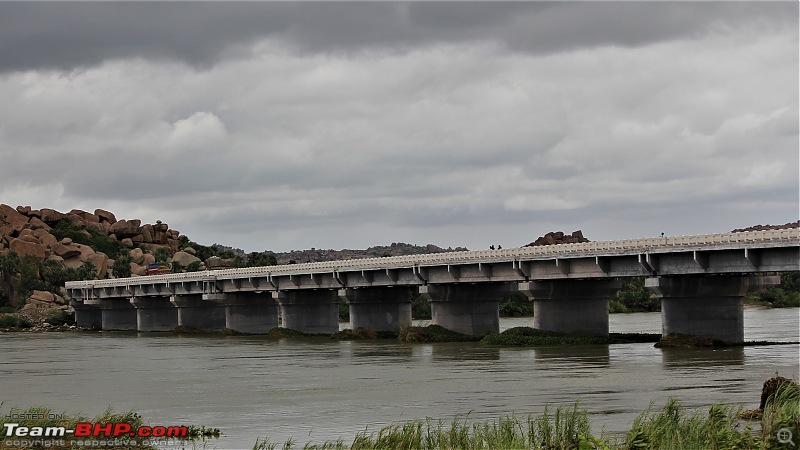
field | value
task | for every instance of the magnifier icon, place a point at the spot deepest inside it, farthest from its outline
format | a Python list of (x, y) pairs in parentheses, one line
[(785, 436)]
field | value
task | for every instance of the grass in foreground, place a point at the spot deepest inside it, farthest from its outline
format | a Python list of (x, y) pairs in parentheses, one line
[(671, 427)]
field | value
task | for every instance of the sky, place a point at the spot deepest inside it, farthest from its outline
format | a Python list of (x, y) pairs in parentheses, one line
[(291, 125)]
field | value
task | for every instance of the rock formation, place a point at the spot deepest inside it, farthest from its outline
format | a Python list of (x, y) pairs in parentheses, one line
[(559, 237)]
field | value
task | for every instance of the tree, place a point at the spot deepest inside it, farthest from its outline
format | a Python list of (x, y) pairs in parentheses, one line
[(122, 267), (9, 266), (194, 266), (162, 254), (256, 259)]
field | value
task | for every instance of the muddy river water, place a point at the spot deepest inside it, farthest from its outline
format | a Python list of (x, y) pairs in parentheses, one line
[(317, 389)]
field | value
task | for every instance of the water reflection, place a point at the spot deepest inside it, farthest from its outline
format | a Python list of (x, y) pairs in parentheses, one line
[(584, 355), (698, 357), (455, 351)]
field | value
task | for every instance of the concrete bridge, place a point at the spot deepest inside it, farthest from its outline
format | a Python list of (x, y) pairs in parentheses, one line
[(701, 281)]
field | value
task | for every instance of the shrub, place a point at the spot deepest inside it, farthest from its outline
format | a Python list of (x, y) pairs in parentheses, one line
[(59, 318), (635, 297), (162, 254), (122, 266), (194, 266), (517, 305), (95, 239), (420, 308)]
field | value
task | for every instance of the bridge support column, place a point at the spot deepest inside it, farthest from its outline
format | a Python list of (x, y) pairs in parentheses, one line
[(250, 312), (578, 307), (155, 314), (197, 313), (118, 314), (702, 306), (379, 308), (309, 311), (87, 315), (466, 308)]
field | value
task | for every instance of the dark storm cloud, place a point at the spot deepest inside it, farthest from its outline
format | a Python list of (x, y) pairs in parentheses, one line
[(36, 35)]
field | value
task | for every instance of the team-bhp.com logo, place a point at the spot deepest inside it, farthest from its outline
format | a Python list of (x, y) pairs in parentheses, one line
[(87, 429)]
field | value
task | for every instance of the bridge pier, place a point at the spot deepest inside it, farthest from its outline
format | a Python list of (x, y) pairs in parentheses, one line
[(309, 311), (155, 314), (118, 314), (709, 306), (578, 307), (195, 312), (379, 308), (87, 315), (466, 308), (250, 312)]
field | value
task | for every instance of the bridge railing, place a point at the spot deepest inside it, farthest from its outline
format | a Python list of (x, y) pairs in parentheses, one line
[(640, 245)]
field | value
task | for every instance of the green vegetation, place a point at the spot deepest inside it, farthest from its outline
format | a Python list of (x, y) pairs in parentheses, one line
[(530, 337), (517, 305), (256, 259), (432, 333), (634, 297), (95, 239), (344, 311), (203, 251), (9, 266), (162, 254), (785, 295), (279, 332), (9, 321), (194, 266), (362, 333), (420, 308), (50, 276), (671, 427), (122, 266)]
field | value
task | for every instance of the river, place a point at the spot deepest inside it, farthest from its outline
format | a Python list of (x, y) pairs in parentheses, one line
[(315, 389)]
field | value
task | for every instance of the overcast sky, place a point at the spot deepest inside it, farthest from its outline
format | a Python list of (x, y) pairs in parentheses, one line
[(279, 126)]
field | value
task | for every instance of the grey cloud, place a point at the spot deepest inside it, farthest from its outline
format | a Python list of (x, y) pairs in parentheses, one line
[(67, 35)]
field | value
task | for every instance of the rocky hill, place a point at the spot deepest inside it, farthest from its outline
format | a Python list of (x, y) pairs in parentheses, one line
[(768, 227), (559, 237)]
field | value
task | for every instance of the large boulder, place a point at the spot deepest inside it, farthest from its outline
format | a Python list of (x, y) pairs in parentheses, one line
[(100, 261), (51, 216), (105, 216), (24, 247), (137, 256), (126, 228), (184, 258), (37, 224), (13, 218), (148, 259), (86, 216), (137, 270), (47, 239), (66, 251)]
